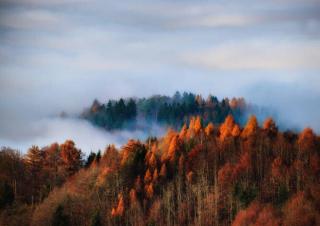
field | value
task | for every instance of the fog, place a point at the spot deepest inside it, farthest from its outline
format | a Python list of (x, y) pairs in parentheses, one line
[(25, 124), (59, 56), (87, 137)]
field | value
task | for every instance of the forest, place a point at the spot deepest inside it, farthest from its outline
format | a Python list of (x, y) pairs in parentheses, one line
[(202, 174), (164, 110)]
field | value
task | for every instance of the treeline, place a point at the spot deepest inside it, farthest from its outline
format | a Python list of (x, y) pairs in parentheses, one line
[(113, 115), (26, 180), (173, 111), (201, 175)]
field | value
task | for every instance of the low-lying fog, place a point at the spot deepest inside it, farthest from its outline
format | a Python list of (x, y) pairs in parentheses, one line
[(87, 137), (29, 120)]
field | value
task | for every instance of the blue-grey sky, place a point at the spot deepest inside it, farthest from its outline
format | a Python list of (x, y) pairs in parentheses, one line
[(59, 55)]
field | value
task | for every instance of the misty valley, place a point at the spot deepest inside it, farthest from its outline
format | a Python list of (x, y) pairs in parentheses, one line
[(214, 165), (159, 113)]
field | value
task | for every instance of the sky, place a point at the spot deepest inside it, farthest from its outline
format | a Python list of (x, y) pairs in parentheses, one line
[(59, 55)]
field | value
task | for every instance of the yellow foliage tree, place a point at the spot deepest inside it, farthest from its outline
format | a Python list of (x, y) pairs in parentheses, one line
[(183, 132), (209, 129), (152, 161), (173, 148), (236, 131), (197, 125), (119, 210), (148, 176), (251, 127), (227, 127), (190, 132)]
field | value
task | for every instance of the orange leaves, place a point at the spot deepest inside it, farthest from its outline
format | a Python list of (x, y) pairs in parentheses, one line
[(229, 128), (270, 126), (169, 136), (247, 216), (195, 127), (181, 167), (111, 157), (155, 175), (306, 140), (119, 210), (227, 125), (173, 148), (148, 177), (209, 129), (229, 172), (225, 174), (236, 131), (163, 171), (102, 176), (206, 179), (170, 146), (194, 152), (34, 158), (67, 151), (149, 190), (52, 157), (172, 151), (152, 161), (128, 149), (133, 196), (148, 183), (138, 184), (300, 211), (277, 169), (151, 158), (257, 215), (155, 211), (243, 164), (190, 177), (183, 132), (251, 127), (71, 156)]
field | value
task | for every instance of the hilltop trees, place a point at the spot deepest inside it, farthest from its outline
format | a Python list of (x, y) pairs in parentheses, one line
[(112, 115), (173, 111)]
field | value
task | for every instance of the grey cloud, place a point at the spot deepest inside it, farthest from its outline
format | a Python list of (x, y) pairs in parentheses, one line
[(259, 55), (26, 19), (174, 15), (59, 55)]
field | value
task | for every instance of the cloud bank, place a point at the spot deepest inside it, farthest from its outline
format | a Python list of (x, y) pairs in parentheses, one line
[(86, 136)]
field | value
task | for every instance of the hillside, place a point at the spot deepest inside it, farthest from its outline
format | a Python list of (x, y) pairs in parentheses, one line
[(201, 175)]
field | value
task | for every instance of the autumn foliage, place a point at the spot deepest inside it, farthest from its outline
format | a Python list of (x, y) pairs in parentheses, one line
[(204, 174)]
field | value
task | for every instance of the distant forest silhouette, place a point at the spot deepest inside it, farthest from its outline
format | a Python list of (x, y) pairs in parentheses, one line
[(171, 111)]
